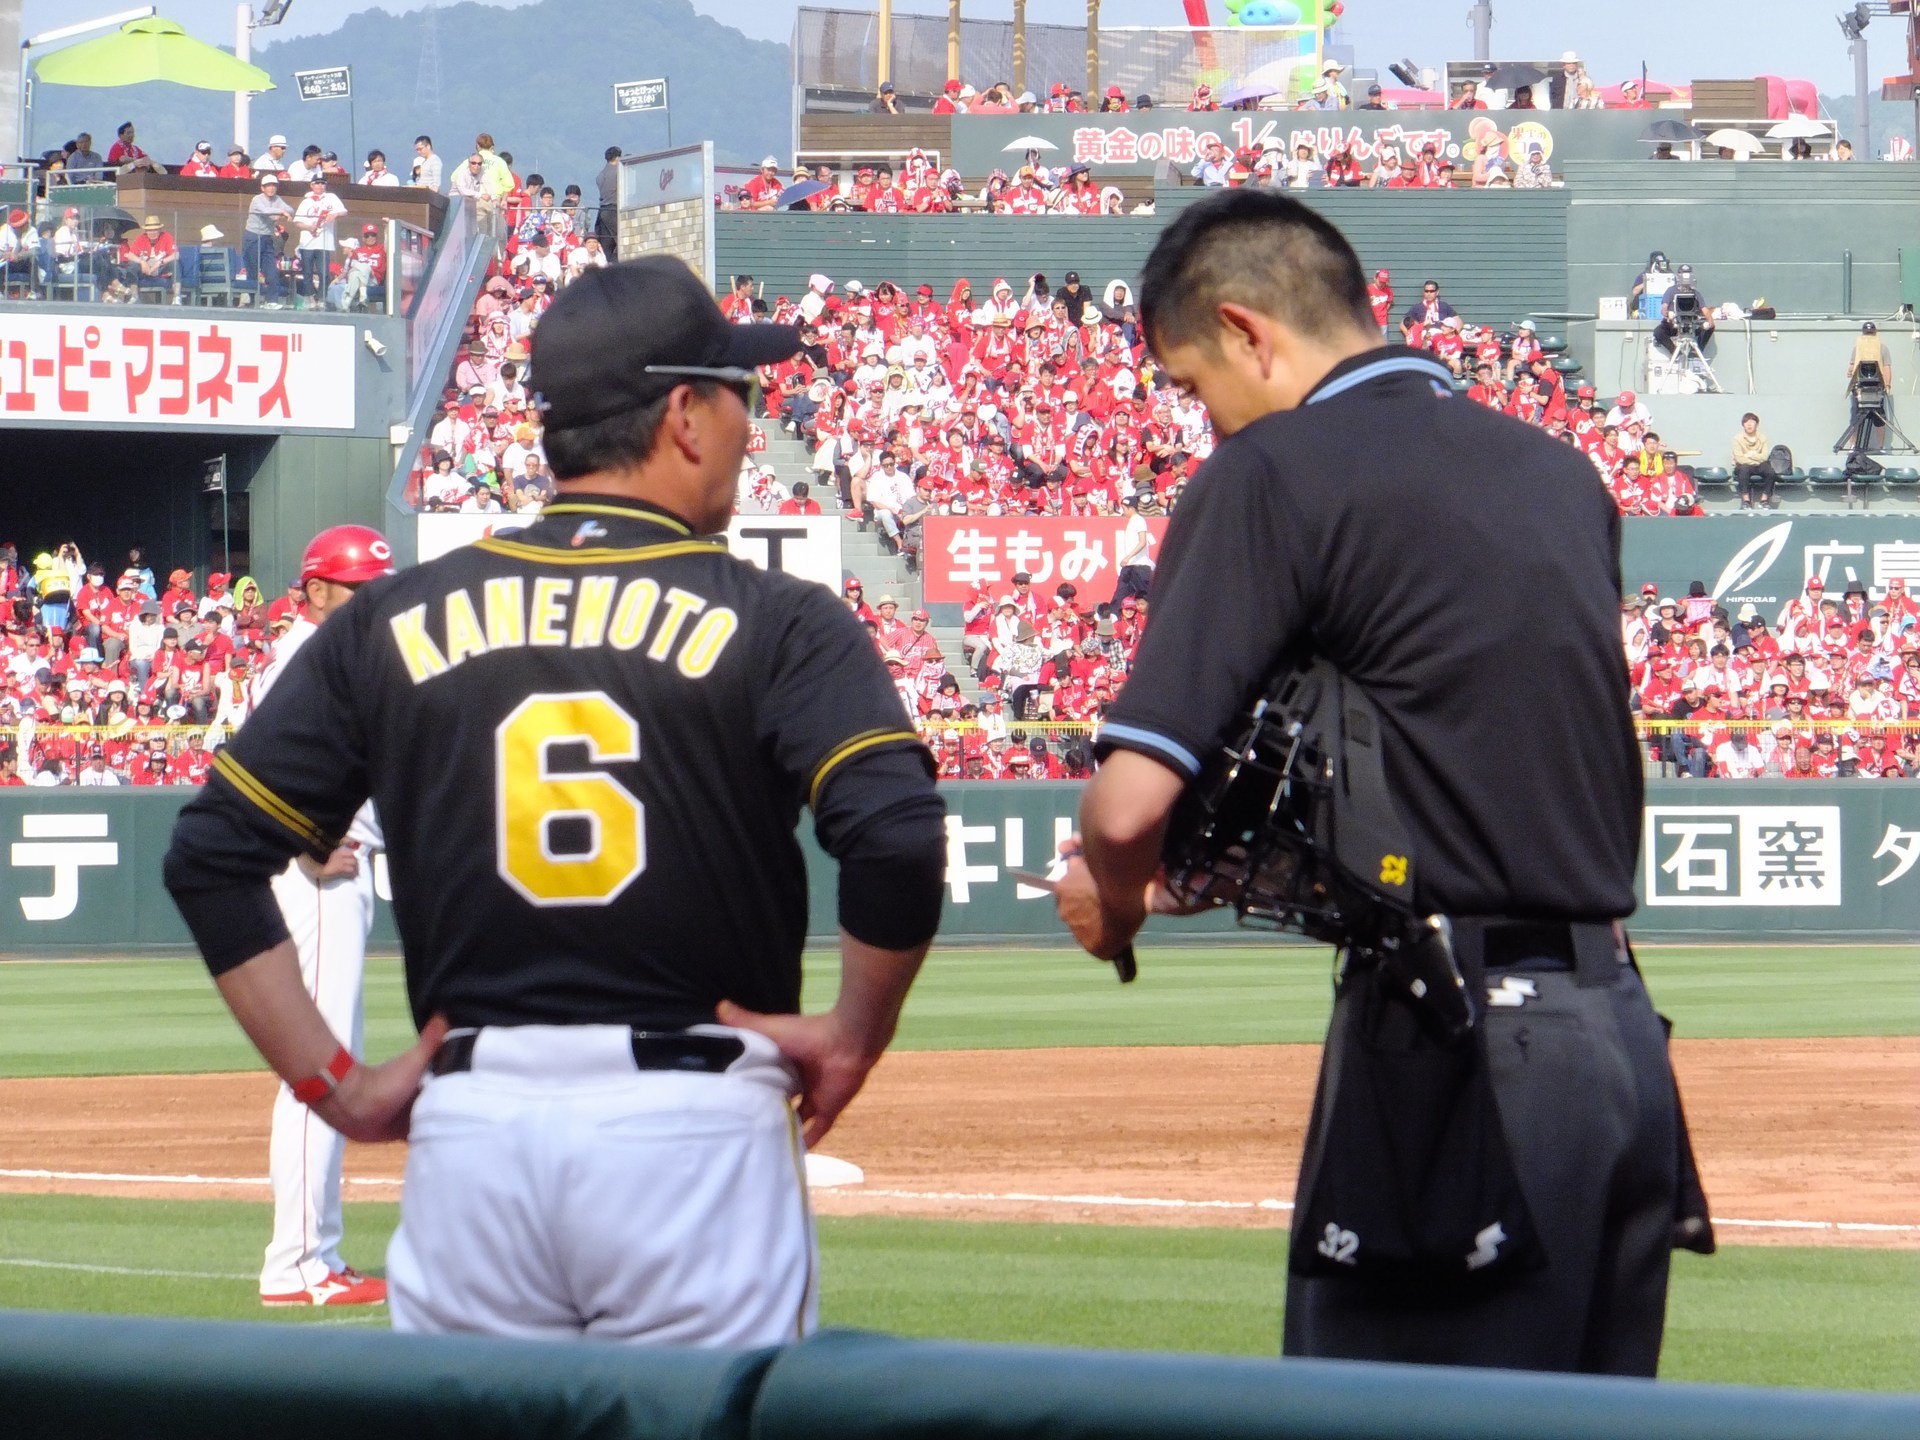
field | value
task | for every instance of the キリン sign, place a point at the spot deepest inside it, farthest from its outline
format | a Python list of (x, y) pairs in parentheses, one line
[(335, 83), (633, 96)]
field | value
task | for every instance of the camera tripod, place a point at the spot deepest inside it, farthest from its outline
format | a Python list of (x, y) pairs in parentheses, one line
[(1854, 440), (1688, 356)]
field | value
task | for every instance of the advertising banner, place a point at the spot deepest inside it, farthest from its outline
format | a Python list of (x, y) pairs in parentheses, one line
[(1721, 860), (631, 97), (663, 177), (803, 545), (177, 372), (963, 551), (1135, 142), (1766, 562)]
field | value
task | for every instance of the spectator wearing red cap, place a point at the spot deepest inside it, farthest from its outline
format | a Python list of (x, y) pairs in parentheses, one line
[(1202, 100), (1628, 412), (18, 247), (1114, 102), (1380, 297), (949, 102), (363, 276)]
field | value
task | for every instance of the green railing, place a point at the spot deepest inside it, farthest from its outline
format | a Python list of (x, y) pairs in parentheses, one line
[(106, 1378)]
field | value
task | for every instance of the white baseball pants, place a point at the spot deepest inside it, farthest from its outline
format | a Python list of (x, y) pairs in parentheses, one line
[(329, 922), (555, 1191)]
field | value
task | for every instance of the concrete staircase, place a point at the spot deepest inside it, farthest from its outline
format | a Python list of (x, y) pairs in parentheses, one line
[(862, 551)]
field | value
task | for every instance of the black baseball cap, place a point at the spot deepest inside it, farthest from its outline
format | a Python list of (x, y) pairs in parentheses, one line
[(599, 338)]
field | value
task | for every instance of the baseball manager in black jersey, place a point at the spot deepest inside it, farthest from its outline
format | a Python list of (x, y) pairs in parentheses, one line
[(1355, 513), (590, 742)]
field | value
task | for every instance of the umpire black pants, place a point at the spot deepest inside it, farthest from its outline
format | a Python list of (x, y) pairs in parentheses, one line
[(1588, 1106)]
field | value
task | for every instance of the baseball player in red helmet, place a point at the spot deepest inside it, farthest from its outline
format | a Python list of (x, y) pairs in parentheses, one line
[(329, 910)]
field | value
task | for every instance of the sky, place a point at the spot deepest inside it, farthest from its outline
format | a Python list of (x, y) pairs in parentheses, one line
[(1718, 39)]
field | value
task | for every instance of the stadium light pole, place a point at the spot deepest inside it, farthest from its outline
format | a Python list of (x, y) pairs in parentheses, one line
[(1481, 18), (953, 39), (50, 37), (243, 27), (1093, 54), (884, 37), (1853, 25), (1019, 47)]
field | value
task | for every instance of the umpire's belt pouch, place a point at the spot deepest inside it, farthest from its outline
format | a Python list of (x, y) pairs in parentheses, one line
[(1407, 1176)]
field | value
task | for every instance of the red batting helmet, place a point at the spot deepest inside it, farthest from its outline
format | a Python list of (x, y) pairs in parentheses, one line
[(347, 554)]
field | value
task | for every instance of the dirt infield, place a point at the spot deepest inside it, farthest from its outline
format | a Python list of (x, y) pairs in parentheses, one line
[(1814, 1131)]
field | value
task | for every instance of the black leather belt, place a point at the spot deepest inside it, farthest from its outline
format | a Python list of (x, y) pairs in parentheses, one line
[(1590, 949), (652, 1050)]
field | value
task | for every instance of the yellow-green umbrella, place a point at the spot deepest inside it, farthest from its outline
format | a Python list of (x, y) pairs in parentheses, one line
[(150, 49)]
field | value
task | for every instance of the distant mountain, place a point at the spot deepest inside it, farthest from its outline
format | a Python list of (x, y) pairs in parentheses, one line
[(1887, 117), (539, 78)]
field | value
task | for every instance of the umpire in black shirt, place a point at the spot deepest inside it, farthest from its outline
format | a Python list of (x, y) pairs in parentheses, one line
[(1332, 523), (589, 743)]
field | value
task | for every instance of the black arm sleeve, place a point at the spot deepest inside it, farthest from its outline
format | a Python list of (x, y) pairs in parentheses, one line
[(835, 724), (886, 825)]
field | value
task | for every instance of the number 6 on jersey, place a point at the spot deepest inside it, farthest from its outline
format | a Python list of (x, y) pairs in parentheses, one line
[(532, 802)]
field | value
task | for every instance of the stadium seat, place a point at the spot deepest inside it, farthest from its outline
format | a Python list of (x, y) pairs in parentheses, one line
[(1709, 477), (1824, 476), (216, 276), (1896, 475), (1553, 344), (1791, 479), (1566, 364)]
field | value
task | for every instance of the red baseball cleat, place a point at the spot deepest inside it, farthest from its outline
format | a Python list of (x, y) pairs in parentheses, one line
[(342, 1287)]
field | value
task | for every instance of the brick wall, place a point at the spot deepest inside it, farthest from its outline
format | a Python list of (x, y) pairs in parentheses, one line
[(677, 228)]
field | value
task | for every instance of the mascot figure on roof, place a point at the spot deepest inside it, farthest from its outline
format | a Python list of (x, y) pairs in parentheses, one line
[(1263, 13)]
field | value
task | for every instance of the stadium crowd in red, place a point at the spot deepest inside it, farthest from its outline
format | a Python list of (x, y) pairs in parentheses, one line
[(1819, 692), (483, 452), (118, 680), (1055, 660)]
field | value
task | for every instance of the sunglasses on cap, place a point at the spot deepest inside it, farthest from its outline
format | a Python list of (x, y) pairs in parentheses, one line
[(743, 382)]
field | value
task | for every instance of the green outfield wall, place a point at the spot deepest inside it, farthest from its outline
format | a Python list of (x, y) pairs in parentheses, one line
[(1719, 860), (1498, 255), (1765, 560), (70, 1375)]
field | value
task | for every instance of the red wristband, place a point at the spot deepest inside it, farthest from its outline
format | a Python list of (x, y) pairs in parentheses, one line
[(318, 1087)]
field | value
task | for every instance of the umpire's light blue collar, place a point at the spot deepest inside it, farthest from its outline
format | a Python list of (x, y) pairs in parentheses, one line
[(1377, 364)]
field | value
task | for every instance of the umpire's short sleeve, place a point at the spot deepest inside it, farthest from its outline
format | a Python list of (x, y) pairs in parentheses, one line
[(1227, 602), (828, 700)]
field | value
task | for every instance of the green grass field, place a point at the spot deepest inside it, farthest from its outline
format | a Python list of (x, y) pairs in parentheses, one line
[(1812, 1317), (152, 1017)]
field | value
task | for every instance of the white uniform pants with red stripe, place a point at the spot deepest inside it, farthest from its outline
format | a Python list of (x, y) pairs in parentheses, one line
[(329, 922)]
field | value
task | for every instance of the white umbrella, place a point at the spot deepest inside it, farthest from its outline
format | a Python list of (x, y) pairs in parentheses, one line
[(1027, 142), (1798, 127), (1741, 142)]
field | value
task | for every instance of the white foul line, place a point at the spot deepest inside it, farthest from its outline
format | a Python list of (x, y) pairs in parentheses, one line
[(119, 1270), (1135, 1202)]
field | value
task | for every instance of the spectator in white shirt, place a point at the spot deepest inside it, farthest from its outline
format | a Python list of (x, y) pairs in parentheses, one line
[(1303, 171), (377, 172), (307, 166), (315, 217), (537, 258), (1738, 758)]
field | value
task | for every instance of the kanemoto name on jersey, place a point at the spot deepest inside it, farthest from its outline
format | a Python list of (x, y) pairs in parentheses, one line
[(566, 612)]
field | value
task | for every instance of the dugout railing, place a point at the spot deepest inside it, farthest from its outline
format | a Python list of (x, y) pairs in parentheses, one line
[(112, 1377)]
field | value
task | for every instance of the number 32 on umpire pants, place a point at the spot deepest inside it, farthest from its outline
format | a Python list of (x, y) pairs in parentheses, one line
[(535, 806)]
